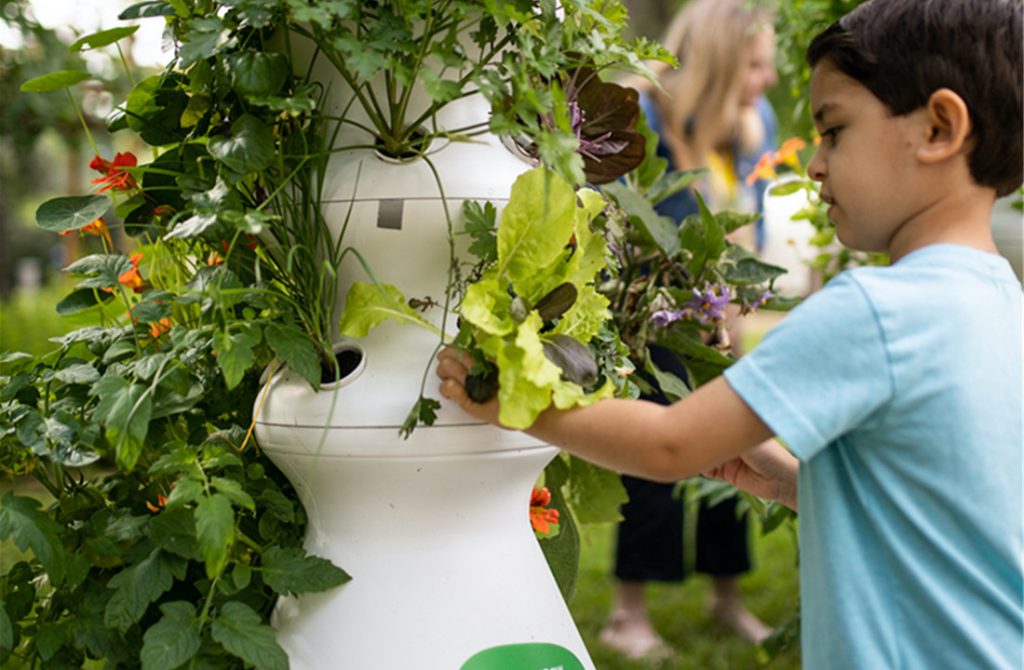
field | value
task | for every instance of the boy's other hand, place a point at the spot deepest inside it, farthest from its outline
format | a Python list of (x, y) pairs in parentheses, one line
[(453, 368), (767, 471)]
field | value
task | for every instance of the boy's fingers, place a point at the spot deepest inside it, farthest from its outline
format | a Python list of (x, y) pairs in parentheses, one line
[(459, 355), (451, 369)]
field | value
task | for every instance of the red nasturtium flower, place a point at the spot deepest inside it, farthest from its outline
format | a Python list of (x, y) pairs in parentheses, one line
[(161, 500), (131, 278), (115, 176), (542, 517)]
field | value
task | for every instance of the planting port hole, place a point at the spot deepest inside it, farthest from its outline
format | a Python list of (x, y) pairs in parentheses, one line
[(349, 360)]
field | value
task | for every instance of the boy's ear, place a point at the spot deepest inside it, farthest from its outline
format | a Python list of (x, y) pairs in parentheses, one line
[(948, 126)]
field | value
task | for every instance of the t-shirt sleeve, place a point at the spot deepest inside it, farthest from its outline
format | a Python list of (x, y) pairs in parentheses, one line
[(821, 372)]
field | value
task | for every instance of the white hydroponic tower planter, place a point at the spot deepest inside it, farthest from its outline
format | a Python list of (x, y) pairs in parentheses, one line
[(434, 530)]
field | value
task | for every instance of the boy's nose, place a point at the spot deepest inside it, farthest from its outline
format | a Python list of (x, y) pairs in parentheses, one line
[(816, 167)]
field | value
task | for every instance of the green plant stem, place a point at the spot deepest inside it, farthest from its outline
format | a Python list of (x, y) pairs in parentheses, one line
[(85, 126)]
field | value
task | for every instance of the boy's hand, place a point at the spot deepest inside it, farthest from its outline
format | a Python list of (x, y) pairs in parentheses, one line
[(767, 471), (453, 368)]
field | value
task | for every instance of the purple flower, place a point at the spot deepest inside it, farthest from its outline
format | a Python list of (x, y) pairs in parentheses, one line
[(663, 317), (709, 305), (764, 297)]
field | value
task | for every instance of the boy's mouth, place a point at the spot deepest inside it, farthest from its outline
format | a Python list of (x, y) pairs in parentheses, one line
[(827, 199)]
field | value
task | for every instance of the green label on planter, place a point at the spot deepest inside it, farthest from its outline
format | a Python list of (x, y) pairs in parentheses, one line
[(531, 656)]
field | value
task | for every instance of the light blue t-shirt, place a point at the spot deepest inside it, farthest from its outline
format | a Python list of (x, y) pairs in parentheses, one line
[(899, 389)]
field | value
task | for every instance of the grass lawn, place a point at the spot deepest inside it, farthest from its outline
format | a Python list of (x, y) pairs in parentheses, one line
[(678, 612)]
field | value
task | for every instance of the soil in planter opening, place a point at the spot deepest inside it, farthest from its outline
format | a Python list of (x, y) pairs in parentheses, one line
[(348, 361)]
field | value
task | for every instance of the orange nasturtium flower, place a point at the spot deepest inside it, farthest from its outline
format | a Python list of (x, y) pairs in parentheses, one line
[(541, 516), (788, 152), (98, 228), (765, 168), (115, 175), (131, 278), (158, 328)]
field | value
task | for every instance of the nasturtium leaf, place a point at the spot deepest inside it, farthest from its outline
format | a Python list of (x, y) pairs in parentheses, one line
[(135, 588), (215, 530), (79, 373), (242, 632), (71, 212), (258, 73), (369, 305), (290, 570), (142, 10), (54, 81), (33, 530), (101, 270), (102, 38), (81, 299), (174, 639), (154, 108), (249, 147), (295, 349)]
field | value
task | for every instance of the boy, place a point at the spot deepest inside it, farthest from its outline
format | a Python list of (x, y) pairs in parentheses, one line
[(898, 389)]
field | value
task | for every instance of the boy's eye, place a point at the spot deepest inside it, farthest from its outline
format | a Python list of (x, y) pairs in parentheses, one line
[(831, 135)]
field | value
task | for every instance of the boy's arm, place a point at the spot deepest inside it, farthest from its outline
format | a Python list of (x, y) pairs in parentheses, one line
[(666, 443)]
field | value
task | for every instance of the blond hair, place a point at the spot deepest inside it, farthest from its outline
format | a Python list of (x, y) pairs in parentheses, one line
[(700, 102)]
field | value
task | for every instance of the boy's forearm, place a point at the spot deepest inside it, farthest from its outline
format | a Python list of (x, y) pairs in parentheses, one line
[(664, 443)]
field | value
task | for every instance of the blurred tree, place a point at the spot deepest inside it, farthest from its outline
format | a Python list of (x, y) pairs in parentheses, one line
[(25, 119)]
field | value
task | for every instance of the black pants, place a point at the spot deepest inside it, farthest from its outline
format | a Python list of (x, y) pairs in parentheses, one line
[(650, 538), (650, 547)]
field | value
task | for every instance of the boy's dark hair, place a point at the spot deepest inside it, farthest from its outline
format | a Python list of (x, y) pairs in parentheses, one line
[(904, 50)]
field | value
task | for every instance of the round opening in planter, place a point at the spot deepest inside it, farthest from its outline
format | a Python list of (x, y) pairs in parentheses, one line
[(418, 144), (521, 148), (351, 361)]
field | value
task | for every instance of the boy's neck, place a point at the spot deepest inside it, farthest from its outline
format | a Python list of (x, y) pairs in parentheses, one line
[(962, 217)]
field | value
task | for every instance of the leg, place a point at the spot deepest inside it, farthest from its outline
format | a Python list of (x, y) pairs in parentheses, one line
[(722, 552), (649, 547)]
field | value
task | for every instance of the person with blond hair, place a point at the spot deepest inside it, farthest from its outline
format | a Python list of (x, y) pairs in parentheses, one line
[(709, 113)]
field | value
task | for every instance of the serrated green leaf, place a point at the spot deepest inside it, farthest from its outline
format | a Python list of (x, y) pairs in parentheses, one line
[(173, 640), (186, 490), (235, 352), (660, 229), (71, 212), (175, 531), (101, 270), (597, 494), (215, 530), (102, 38), (290, 570), (241, 631), (369, 305), (54, 81), (249, 147), (233, 490), (125, 410), (135, 588), (33, 530), (295, 349)]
